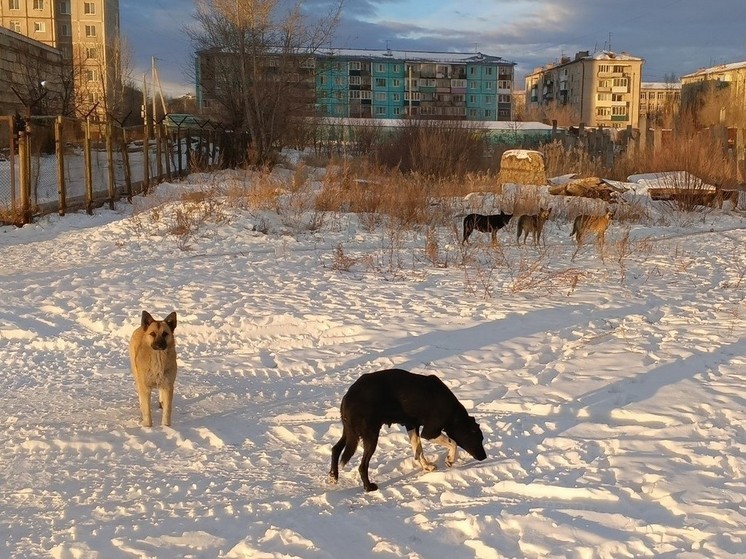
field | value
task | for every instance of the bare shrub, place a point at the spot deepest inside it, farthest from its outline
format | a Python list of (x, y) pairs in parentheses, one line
[(533, 275), (434, 148), (341, 262)]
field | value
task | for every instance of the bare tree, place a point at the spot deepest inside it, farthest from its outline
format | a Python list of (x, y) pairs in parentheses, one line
[(258, 65), (565, 115)]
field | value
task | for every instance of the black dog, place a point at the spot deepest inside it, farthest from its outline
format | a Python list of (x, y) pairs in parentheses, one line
[(485, 223), (398, 396)]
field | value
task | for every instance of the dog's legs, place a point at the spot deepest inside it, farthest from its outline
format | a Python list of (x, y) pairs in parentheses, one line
[(452, 447), (166, 396), (370, 442), (419, 456), (143, 395)]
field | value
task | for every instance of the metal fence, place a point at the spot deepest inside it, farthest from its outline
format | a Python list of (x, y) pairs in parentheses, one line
[(56, 164)]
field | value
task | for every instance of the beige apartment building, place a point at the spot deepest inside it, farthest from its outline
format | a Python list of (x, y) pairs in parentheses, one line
[(86, 32), (598, 90), (660, 102), (716, 94), (24, 63)]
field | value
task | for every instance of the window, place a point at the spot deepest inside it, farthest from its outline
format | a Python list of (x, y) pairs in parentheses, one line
[(67, 52), (397, 111), (489, 100), (90, 30), (91, 75), (38, 4), (473, 85), (39, 27), (89, 8), (487, 113), (93, 97), (396, 97), (397, 68), (472, 99), (14, 4), (396, 83), (365, 95), (380, 67), (355, 65), (604, 68), (380, 95), (91, 52), (355, 80), (617, 96), (15, 26), (412, 95), (488, 86), (620, 82), (64, 7), (338, 80), (458, 84), (65, 30), (322, 80), (380, 82), (503, 84), (619, 111), (603, 111), (380, 111), (488, 71)]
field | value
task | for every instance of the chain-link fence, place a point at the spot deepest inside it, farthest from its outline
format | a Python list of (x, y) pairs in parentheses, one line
[(7, 167)]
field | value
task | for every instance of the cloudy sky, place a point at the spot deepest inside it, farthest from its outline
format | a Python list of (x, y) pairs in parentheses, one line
[(673, 36)]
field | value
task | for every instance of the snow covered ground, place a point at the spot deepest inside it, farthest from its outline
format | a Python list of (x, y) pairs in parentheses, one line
[(611, 392)]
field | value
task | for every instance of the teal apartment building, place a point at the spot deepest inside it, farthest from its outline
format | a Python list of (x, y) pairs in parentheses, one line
[(359, 83), (382, 84)]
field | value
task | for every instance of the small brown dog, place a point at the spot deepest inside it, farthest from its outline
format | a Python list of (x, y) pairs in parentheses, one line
[(533, 224), (153, 362)]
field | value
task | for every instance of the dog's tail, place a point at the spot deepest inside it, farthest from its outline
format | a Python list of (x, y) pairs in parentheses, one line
[(351, 441)]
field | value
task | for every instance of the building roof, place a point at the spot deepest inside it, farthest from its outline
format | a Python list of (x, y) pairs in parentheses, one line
[(717, 69), (585, 55), (661, 85), (414, 55)]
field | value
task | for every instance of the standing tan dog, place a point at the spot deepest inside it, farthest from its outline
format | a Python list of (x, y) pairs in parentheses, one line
[(533, 224), (153, 361), (597, 224)]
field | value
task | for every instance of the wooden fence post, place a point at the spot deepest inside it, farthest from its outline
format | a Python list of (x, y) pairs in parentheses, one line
[(741, 155), (110, 166), (88, 169), (59, 147), (24, 165)]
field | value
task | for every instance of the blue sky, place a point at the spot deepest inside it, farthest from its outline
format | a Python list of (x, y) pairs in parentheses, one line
[(673, 36)]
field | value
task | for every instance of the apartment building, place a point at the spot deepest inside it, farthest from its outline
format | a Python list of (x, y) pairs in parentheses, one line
[(718, 88), (660, 101), (86, 32), (599, 89), (361, 83), (24, 63)]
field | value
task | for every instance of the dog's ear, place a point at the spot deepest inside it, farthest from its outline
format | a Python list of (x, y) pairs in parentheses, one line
[(146, 320), (171, 321)]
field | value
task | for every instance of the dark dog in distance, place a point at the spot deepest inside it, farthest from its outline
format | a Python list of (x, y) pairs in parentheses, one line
[(486, 224), (412, 400)]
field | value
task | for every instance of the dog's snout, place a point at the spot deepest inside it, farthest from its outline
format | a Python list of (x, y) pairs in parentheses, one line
[(160, 343)]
